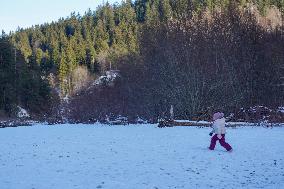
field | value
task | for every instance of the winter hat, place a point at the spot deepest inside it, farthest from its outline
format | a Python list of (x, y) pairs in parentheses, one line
[(218, 115)]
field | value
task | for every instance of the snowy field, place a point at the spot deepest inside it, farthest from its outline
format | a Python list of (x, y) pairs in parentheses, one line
[(138, 157)]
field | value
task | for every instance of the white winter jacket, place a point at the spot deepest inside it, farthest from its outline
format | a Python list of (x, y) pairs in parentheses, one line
[(219, 126)]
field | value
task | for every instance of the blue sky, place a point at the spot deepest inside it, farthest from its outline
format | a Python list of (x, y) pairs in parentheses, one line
[(25, 13)]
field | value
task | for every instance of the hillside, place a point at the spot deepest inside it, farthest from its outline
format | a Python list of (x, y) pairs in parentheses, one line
[(190, 54)]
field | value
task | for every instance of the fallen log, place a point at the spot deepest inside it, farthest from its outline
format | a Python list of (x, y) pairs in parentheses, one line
[(186, 123), (172, 123)]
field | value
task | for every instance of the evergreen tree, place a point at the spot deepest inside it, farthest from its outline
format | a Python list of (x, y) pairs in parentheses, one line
[(263, 6), (63, 74), (140, 9), (182, 9), (8, 96), (165, 10), (20, 82), (152, 12), (21, 41)]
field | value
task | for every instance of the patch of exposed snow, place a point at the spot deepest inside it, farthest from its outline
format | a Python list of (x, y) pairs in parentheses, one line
[(281, 109), (22, 113), (120, 120), (141, 121), (66, 99), (109, 77), (255, 108)]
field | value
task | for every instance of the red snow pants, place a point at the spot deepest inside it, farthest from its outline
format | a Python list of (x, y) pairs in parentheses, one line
[(221, 141)]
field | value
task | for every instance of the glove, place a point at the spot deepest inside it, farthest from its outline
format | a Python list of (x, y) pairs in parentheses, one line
[(219, 136), (210, 134)]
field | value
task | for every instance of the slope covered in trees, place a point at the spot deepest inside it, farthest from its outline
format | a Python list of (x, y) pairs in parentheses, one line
[(20, 82), (227, 62), (189, 53)]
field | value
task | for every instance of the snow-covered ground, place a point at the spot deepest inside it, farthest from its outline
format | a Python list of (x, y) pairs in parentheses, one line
[(138, 157)]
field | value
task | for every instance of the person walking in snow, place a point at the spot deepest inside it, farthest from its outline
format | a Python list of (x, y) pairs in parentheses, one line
[(219, 130)]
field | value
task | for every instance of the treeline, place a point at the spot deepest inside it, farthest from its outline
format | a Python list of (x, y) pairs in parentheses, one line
[(99, 37), (188, 53)]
